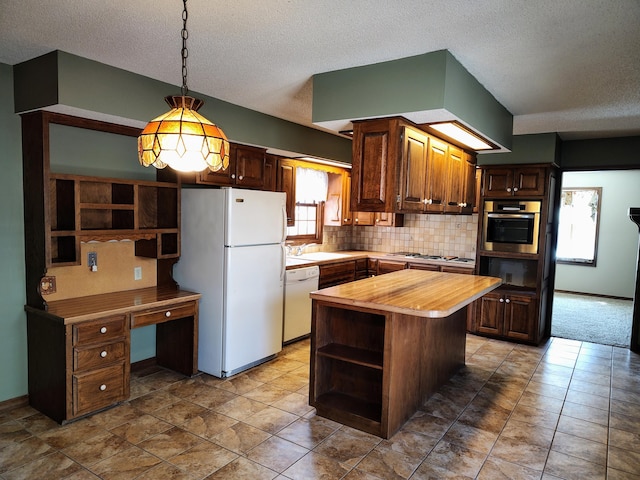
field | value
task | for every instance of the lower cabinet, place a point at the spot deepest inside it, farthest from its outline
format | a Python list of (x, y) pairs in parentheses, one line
[(388, 266), (509, 314), (80, 366), (336, 273), (76, 369)]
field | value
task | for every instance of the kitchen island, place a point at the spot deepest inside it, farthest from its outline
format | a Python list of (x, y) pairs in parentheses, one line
[(381, 346)]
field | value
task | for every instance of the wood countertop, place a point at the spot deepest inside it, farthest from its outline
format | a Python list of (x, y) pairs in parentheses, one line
[(412, 292), (79, 309)]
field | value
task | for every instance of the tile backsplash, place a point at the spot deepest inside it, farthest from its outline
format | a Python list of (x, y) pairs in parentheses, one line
[(426, 234)]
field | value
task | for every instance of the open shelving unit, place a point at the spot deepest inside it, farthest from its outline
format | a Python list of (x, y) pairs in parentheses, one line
[(64, 210), (94, 208)]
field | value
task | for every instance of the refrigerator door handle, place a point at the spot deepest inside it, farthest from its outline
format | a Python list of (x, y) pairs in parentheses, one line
[(284, 223), (283, 263)]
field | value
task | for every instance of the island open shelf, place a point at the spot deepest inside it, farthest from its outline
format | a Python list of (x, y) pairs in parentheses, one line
[(381, 346)]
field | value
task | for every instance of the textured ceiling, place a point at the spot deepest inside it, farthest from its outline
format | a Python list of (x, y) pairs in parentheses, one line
[(566, 66)]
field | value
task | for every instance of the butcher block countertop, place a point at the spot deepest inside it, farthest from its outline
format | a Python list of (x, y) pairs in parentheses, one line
[(79, 309), (411, 292)]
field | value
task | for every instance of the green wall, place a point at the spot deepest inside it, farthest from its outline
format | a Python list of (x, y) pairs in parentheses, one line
[(410, 86), (59, 78), (538, 148), (13, 323), (605, 153)]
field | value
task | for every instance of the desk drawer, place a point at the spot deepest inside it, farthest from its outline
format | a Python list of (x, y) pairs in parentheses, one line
[(98, 356), (159, 315), (102, 330), (98, 389)]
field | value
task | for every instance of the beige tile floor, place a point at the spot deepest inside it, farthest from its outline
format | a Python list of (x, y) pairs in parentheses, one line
[(566, 410)]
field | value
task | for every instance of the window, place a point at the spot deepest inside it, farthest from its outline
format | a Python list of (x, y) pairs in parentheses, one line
[(311, 193), (578, 225)]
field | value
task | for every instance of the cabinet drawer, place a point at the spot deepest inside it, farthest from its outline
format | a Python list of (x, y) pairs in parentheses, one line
[(98, 389), (159, 315), (97, 356), (99, 330)]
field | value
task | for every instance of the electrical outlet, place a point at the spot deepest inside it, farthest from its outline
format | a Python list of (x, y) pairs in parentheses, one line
[(47, 285), (92, 261), (137, 273)]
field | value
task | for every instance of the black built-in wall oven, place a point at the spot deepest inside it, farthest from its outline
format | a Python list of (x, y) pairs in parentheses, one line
[(511, 226)]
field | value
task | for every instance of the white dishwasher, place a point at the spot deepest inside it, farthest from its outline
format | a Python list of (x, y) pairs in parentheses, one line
[(297, 303)]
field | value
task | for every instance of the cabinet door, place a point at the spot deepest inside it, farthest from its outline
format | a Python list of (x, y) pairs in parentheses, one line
[(456, 179), (491, 314), (529, 181), (520, 317), (388, 266), (221, 177), (334, 203), (373, 166), (424, 266), (436, 175), (364, 218), (270, 176), (469, 195), (386, 219), (286, 182), (413, 177), (347, 216), (250, 166), (497, 182)]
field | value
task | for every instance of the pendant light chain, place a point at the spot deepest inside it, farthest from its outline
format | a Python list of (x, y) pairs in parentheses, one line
[(182, 138), (185, 52)]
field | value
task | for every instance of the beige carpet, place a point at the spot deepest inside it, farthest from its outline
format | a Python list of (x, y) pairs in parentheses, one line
[(592, 319)]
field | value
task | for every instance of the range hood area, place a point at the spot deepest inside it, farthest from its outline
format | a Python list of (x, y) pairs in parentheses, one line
[(425, 89)]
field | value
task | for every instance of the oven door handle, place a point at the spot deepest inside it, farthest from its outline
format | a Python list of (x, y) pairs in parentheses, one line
[(511, 215)]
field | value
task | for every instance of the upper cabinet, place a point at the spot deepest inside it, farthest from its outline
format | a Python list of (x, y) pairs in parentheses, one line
[(375, 160), (399, 168), (247, 169), (524, 181)]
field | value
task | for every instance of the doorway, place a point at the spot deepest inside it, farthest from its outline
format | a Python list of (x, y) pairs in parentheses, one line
[(610, 279)]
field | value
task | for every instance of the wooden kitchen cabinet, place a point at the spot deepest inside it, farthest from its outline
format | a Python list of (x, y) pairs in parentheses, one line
[(286, 182), (77, 369), (506, 181), (388, 266), (247, 169), (336, 273), (79, 350), (399, 168), (375, 157), (505, 313), (362, 268)]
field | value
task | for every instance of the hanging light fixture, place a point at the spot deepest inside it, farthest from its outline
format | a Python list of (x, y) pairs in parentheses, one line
[(182, 138)]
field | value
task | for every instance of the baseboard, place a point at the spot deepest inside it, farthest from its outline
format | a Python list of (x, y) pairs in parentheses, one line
[(613, 297), (16, 402)]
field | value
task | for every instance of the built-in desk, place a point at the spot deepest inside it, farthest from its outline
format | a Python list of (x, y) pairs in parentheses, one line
[(383, 345), (79, 348)]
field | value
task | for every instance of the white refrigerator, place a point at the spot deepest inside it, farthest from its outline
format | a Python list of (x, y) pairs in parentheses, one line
[(232, 252)]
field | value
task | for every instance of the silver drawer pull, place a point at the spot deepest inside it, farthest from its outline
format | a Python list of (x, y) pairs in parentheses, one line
[(103, 353), (103, 330), (167, 314), (103, 387)]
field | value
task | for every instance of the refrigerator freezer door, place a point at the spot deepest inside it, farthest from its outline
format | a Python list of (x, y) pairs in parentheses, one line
[(254, 294), (255, 217)]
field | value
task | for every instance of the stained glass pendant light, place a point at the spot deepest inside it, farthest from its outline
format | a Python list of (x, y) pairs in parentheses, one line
[(182, 138)]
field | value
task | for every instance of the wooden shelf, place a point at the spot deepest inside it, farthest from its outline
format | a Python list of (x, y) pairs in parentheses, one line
[(348, 404), (358, 356), (94, 208)]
